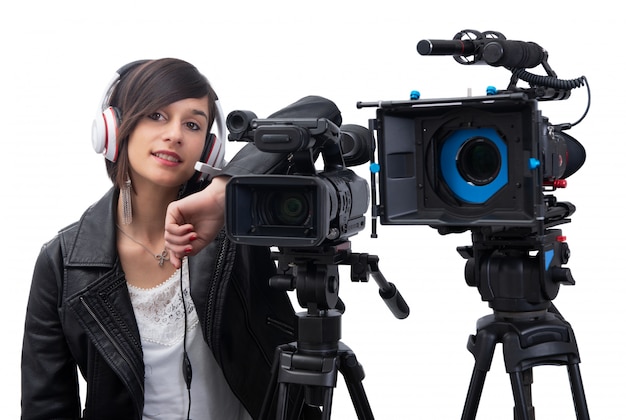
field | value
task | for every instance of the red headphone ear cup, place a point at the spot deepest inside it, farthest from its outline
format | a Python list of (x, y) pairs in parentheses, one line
[(207, 152), (104, 133)]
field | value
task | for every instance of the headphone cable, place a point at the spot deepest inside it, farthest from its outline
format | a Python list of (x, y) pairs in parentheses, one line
[(186, 362)]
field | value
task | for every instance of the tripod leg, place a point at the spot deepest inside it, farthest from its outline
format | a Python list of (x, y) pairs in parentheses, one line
[(354, 374), (328, 403), (578, 393), (271, 388), (482, 346), (473, 394), (280, 394), (360, 402), (521, 384), (281, 401)]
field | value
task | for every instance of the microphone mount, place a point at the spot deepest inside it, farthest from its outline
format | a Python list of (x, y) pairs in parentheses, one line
[(490, 47)]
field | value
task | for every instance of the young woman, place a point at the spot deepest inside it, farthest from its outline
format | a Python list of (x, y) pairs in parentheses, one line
[(152, 339)]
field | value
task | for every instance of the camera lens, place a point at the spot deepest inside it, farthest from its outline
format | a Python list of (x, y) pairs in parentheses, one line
[(478, 161), (288, 208)]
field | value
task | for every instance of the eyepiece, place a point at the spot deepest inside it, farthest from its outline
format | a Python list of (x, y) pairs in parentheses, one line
[(239, 121)]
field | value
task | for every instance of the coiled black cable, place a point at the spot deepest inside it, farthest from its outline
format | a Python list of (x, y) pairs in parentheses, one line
[(548, 81), (556, 83)]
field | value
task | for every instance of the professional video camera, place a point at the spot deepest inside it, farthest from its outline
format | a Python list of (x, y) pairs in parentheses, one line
[(305, 207), (484, 164), (456, 163)]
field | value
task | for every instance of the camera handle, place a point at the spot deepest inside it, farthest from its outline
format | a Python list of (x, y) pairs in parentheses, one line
[(519, 276), (311, 364)]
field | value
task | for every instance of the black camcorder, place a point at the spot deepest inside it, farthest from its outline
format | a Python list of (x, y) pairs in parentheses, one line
[(303, 207)]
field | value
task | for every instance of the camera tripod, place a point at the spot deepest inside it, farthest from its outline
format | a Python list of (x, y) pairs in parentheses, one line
[(519, 275), (305, 372)]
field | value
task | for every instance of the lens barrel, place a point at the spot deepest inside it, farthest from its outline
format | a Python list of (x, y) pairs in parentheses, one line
[(479, 161)]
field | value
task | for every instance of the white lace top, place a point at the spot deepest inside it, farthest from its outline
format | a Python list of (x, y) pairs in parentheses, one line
[(161, 319)]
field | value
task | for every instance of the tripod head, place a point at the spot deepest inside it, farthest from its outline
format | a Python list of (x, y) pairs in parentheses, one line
[(519, 270), (314, 274)]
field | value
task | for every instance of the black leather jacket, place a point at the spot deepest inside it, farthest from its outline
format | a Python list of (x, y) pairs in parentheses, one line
[(80, 314)]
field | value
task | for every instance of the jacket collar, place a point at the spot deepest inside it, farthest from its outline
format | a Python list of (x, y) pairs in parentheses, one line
[(94, 242), (91, 241)]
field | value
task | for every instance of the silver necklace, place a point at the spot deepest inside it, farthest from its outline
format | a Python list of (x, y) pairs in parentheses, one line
[(162, 257)]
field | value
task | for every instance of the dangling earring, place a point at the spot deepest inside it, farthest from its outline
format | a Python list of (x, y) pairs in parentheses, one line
[(127, 207)]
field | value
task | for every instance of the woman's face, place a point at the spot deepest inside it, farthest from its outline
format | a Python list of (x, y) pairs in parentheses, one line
[(165, 145)]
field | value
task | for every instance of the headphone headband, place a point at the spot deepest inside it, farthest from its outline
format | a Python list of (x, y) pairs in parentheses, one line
[(121, 72)]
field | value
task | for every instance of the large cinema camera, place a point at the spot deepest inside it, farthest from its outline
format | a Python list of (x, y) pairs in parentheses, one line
[(457, 163)]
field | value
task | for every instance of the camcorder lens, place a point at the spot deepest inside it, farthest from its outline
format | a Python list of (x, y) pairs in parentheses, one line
[(478, 161), (287, 208)]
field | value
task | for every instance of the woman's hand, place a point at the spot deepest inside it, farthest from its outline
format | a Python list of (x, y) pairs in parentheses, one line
[(194, 221)]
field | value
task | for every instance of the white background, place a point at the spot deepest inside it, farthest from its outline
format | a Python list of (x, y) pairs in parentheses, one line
[(58, 56)]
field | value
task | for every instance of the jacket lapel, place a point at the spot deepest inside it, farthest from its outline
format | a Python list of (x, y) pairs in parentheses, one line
[(97, 295)]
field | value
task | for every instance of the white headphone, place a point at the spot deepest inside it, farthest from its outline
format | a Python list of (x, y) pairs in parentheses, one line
[(104, 130)]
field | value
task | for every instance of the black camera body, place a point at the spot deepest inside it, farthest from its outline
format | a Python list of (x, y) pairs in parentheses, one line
[(304, 207), (296, 210), (470, 163), (479, 161)]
